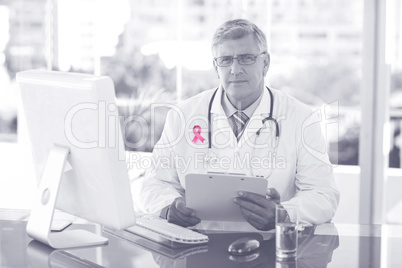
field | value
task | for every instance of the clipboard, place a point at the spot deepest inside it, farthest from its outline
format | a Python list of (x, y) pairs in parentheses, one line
[(211, 195)]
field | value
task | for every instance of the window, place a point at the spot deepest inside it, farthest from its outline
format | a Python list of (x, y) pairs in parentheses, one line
[(148, 59), (392, 199)]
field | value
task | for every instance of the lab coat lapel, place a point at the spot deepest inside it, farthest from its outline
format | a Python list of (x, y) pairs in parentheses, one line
[(221, 130), (255, 122), (265, 104)]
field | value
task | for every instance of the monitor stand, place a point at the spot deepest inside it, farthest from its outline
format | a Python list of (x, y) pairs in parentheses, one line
[(41, 255), (41, 217)]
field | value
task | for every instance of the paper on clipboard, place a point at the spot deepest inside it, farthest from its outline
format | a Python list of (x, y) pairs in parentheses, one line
[(211, 195)]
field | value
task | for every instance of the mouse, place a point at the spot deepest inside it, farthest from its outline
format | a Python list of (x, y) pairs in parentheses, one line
[(243, 246)]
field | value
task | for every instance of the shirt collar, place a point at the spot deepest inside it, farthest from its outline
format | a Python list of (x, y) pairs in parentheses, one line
[(230, 109), (262, 109)]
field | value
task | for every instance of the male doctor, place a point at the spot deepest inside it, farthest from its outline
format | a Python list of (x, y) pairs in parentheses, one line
[(245, 127)]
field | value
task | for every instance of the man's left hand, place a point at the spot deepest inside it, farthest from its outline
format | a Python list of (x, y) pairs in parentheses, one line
[(259, 210)]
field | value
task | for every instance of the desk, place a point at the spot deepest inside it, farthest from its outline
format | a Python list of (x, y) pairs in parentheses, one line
[(329, 245)]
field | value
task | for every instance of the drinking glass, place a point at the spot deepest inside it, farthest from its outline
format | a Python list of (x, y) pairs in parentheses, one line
[(286, 231)]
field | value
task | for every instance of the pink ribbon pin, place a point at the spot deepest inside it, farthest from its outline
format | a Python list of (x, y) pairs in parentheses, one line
[(197, 133)]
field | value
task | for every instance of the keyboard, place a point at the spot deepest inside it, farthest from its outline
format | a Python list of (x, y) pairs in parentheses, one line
[(171, 232)]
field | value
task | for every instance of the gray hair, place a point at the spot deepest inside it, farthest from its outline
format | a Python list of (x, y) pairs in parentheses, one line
[(237, 29)]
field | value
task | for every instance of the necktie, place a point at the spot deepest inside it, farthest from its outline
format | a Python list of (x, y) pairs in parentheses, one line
[(238, 122)]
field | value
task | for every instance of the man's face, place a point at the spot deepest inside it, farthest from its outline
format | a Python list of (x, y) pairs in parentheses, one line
[(242, 83)]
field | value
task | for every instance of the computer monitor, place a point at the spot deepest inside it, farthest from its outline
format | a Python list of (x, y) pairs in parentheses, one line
[(78, 153)]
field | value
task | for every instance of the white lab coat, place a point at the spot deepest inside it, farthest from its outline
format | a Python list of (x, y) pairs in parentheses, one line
[(297, 166)]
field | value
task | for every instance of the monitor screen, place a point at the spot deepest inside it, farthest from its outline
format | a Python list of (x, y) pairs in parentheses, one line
[(78, 112)]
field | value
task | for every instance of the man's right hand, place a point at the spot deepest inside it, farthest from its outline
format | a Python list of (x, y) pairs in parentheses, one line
[(180, 214)]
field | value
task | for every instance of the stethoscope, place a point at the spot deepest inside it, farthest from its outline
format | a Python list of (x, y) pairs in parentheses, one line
[(211, 156)]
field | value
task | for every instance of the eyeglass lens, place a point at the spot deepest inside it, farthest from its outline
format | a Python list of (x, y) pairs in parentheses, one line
[(242, 59)]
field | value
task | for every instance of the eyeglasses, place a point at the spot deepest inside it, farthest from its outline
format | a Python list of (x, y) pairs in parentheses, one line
[(244, 59)]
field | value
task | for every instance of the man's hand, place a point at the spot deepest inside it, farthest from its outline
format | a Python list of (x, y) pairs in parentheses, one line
[(259, 210), (180, 214)]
